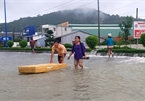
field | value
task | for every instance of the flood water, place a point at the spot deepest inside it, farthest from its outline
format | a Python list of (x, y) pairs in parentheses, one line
[(103, 79)]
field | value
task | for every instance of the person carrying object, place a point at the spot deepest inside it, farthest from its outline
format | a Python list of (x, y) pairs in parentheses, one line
[(79, 52), (61, 51)]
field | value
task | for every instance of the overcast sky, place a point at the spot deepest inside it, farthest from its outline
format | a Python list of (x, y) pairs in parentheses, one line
[(23, 8)]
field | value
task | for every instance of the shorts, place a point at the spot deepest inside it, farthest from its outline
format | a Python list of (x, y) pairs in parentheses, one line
[(59, 57), (32, 47), (109, 47), (77, 62)]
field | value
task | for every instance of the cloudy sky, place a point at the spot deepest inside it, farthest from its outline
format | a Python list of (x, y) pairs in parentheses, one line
[(23, 8)]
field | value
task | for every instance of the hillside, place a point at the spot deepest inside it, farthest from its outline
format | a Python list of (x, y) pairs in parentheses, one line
[(76, 16)]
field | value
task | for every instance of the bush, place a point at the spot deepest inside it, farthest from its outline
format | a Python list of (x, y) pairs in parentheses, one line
[(92, 41), (67, 45), (124, 47), (23, 43), (142, 39), (10, 43)]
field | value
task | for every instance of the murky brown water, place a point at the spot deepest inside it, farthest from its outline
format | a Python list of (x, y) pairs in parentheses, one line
[(103, 79)]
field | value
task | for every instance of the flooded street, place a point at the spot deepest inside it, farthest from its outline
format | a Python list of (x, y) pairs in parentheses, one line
[(103, 79)]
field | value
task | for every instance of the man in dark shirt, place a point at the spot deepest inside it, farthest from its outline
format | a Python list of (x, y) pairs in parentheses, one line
[(32, 44)]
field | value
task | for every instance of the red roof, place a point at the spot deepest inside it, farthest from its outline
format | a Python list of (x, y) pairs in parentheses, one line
[(119, 38)]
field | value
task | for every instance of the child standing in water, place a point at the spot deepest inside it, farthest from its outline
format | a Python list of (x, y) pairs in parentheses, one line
[(79, 52), (110, 43)]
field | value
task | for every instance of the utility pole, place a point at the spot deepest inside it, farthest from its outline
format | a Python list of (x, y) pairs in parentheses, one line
[(98, 24), (6, 30), (136, 20)]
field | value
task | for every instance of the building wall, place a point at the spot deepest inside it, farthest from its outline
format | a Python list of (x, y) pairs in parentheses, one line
[(11, 34), (104, 29), (41, 42), (58, 30), (70, 38)]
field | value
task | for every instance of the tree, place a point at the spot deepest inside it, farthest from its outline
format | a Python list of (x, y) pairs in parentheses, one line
[(23, 43), (142, 39), (125, 27), (49, 38), (10, 43), (92, 41)]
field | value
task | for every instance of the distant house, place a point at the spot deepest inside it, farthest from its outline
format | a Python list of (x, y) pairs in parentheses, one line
[(58, 30), (69, 38)]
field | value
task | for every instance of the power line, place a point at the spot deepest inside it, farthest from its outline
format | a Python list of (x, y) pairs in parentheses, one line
[(61, 5), (125, 6), (65, 5), (141, 10), (86, 3), (55, 7)]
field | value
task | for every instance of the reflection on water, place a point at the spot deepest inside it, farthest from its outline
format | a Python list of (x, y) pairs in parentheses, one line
[(103, 79)]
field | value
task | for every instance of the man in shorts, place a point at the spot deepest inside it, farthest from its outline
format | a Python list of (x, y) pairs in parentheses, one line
[(61, 51), (32, 44), (110, 43)]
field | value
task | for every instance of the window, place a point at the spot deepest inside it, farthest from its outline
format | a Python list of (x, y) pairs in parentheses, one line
[(65, 29), (54, 29), (46, 30)]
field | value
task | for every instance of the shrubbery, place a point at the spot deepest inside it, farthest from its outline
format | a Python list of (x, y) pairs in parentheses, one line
[(142, 39), (67, 45), (23, 43), (124, 47), (10, 43), (92, 41)]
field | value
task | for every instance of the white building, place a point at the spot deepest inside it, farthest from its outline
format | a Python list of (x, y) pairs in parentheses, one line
[(57, 30)]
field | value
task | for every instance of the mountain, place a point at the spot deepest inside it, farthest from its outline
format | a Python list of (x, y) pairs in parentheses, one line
[(76, 16)]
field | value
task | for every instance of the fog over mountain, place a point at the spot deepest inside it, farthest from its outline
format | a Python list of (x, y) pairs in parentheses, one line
[(75, 16)]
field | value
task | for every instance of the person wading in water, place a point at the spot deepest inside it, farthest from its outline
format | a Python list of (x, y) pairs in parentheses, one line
[(61, 51), (79, 52), (32, 44), (110, 43)]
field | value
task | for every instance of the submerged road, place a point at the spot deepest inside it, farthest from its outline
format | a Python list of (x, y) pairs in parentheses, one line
[(103, 79)]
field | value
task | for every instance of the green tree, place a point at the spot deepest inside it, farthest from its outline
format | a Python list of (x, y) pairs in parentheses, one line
[(125, 27), (49, 38), (142, 39), (67, 45), (10, 43), (92, 41), (23, 43)]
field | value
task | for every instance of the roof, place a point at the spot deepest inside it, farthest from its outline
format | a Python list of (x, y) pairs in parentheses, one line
[(103, 32), (117, 39), (49, 25), (73, 33), (93, 25)]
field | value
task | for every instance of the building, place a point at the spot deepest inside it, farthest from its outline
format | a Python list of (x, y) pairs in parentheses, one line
[(40, 39), (57, 30), (114, 29), (69, 38), (13, 35)]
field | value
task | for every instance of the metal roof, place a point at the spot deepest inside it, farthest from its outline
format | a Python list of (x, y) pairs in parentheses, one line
[(74, 32), (93, 25)]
